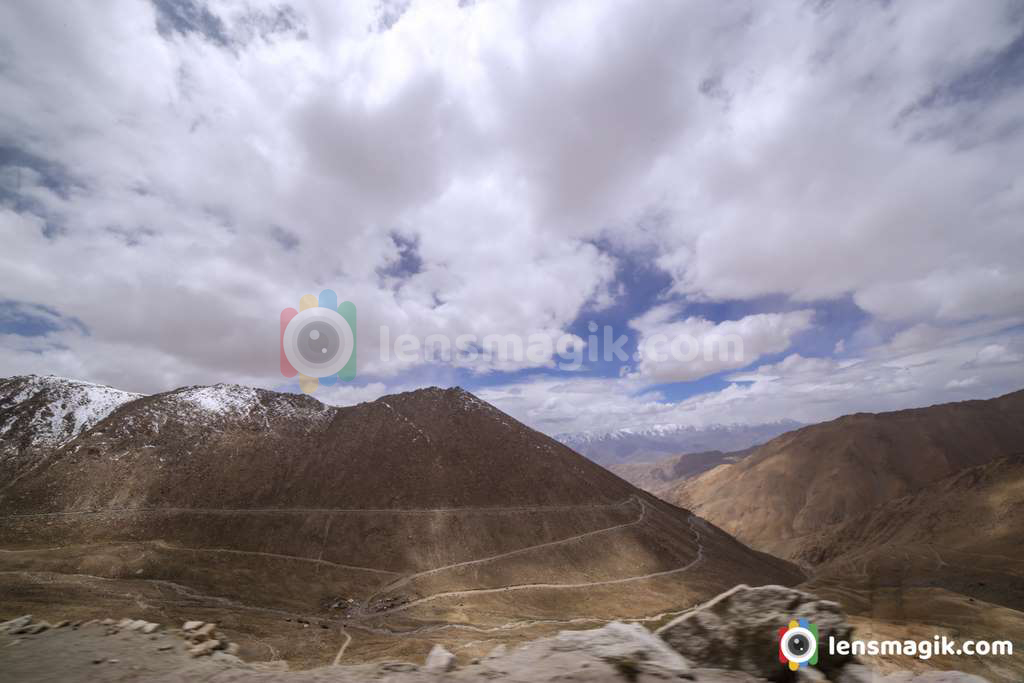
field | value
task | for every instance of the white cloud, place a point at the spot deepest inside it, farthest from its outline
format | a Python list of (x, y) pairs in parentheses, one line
[(175, 189), (996, 354), (691, 348)]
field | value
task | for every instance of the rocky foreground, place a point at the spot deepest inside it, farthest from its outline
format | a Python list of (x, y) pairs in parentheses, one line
[(727, 640)]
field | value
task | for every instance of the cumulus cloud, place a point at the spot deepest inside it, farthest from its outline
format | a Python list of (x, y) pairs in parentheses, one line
[(173, 174), (692, 348)]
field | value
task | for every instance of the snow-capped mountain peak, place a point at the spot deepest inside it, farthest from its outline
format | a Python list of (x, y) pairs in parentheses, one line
[(50, 411)]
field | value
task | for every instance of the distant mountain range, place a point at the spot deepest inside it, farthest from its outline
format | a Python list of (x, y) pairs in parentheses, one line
[(654, 442)]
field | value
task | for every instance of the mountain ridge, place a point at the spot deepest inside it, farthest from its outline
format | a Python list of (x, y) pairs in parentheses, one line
[(821, 474), (423, 512)]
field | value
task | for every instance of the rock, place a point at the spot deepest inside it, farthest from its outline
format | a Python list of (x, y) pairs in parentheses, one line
[(150, 627), (397, 667), (136, 625), (810, 675), (439, 660), (855, 673), (615, 652), (739, 630), (164, 648), (108, 622), (203, 632), (124, 623), (191, 625), (61, 624), (232, 649), (866, 676), (15, 624), (498, 651), (35, 628), (226, 658), (204, 648), (630, 648)]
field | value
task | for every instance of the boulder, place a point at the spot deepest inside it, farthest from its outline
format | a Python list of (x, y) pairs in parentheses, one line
[(864, 675), (439, 660), (630, 648), (150, 627), (35, 628), (204, 632), (204, 648), (17, 624), (614, 652), (739, 630), (191, 625)]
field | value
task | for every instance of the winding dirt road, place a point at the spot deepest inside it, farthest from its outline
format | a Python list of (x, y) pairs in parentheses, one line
[(556, 586)]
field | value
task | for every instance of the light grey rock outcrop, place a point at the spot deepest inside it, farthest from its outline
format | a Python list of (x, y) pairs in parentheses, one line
[(738, 630), (439, 660), (628, 647)]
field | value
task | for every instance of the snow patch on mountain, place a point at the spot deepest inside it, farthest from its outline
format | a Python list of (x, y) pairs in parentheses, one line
[(221, 399), (54, 410)]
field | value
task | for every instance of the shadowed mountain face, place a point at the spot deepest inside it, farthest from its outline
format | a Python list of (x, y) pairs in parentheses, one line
[(809, 479), (429, 512), (961, 533), (947, 558)]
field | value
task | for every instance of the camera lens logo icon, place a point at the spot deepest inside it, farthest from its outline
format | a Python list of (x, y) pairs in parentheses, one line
[(318, 341), (798, 644)]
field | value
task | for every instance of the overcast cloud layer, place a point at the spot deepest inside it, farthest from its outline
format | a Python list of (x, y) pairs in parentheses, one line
[(839, 184)]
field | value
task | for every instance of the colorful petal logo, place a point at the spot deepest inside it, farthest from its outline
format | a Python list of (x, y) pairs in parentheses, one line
[(798, 644), (318, 341)]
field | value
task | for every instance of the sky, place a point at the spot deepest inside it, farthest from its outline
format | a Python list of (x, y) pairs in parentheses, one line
[(836, 185)]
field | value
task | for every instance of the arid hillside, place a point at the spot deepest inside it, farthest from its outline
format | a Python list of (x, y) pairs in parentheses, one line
[(388, 525), (945, 559), (912, 520), (806, 480), (661, 476)]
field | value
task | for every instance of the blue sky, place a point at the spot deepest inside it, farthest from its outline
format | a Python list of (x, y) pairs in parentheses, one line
[(835, 185)]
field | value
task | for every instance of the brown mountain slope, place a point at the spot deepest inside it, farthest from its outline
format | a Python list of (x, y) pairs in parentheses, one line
[(806, 480), (38, 414), (946, 559), (961, 533), (415, 518)]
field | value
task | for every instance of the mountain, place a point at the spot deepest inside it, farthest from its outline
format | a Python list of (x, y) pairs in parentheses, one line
[(418, 517), (961, 533), (911, 519), (946, 558), (41, 413), (662, 475), (654, 442), (806, 480)]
